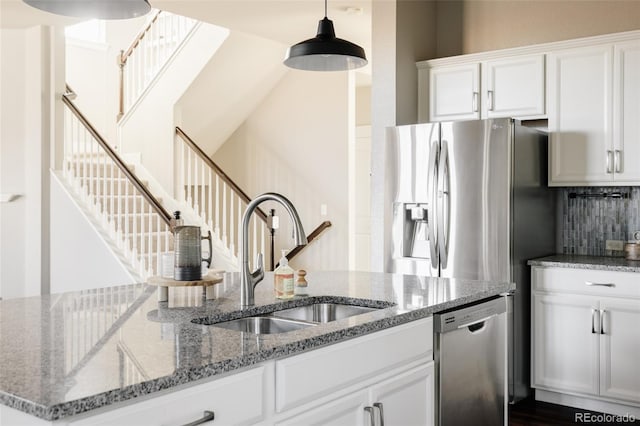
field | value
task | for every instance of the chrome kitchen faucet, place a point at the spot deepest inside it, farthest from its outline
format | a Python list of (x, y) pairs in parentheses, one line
[(249, 280)]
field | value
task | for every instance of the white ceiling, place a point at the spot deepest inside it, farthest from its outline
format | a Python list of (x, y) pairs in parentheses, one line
[(285, 21)]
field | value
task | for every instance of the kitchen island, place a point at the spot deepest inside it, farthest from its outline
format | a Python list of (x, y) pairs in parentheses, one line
[(73, 357)]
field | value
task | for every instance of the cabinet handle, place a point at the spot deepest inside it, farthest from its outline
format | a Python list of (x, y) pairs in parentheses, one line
[(609, 154), (208, 416), (593, 323), (475, 102), (372, 418), (378, 405), (592, 284), (617, 161), (490, 100), (602, 311)]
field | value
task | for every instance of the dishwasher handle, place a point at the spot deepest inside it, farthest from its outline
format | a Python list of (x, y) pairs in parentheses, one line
[(471, 324)]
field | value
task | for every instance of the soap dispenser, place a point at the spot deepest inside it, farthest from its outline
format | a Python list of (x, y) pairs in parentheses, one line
[(283, 278)]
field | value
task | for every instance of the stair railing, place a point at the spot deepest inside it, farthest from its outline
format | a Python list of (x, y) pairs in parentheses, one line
[(219, 201), (314, 235), (134, 218), (149, 53)]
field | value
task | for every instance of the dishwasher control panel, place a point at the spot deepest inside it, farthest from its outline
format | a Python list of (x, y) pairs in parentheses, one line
[(470, 315)]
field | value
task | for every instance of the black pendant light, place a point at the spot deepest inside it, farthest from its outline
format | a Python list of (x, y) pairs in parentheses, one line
[(325, 52), (94, 9)]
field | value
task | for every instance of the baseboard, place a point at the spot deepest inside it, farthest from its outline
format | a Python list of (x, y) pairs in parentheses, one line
[(587, 403)]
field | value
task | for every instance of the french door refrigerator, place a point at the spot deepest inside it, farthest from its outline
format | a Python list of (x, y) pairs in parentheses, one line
[(470, 201)]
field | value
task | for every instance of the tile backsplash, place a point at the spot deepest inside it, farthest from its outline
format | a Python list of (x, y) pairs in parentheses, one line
[(587, 222)]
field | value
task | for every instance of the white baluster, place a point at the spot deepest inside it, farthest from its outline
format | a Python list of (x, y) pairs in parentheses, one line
[(217, 213), (105, 185), (114, 226), (202, 193), (149, 241), (189, 187), (125, 219), (210, 195), (232, 227), (134, 234), (196, 176), (224, 213)]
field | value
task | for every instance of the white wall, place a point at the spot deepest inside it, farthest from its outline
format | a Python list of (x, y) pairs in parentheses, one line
[(80, 257), (28, 66), (295, 143), (238, 78)]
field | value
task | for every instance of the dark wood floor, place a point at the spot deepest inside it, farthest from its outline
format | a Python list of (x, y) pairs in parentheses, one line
[(535, 413)]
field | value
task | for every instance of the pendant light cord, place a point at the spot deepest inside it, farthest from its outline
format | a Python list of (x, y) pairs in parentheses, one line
[(325, 8)]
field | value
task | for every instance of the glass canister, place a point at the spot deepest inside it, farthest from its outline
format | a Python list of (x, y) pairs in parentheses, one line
[(188, 253)]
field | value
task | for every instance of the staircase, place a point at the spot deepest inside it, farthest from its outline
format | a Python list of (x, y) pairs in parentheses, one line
[(129, 215)]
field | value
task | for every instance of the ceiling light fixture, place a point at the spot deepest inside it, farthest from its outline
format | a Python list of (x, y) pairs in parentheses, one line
[(96, 9), (325, 52)]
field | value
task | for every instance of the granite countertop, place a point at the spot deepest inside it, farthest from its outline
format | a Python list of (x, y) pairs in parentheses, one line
[(588, 262), (69, 353)]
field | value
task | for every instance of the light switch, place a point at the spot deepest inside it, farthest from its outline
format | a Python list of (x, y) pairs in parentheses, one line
[(323, 209)]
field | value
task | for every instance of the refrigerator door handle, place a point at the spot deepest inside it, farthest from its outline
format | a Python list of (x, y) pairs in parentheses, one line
[(432, 173), (444, 202)]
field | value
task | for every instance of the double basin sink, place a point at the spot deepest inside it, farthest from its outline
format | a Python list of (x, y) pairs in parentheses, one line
[(294, 318)]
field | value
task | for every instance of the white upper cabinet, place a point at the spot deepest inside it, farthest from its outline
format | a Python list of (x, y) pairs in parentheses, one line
[(502, 87), (594, 115), (513, 87), (626, 112), (589, 89), (454, 93), (580, 99)]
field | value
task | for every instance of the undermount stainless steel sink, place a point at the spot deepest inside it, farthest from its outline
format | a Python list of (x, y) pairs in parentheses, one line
[(322, 312), (291, 319), (263, 325)]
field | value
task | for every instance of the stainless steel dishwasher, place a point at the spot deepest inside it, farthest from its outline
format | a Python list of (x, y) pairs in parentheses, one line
[(470, 354)]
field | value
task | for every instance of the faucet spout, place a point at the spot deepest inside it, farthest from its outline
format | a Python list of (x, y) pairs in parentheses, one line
[(248, 279)]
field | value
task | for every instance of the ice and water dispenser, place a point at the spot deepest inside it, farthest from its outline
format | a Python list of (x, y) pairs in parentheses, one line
[(415, 238)]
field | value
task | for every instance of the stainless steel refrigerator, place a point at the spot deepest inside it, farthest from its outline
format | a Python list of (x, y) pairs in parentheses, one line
[(471, 201)]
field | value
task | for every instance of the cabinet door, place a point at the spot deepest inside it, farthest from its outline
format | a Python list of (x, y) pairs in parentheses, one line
[(454, 93), (619, 349), (626, 113), (565, 343), (347, 411), (513, 87), (234, 400), (580, 99), (407, 399)]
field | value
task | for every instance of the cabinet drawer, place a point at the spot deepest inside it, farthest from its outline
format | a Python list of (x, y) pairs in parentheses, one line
[(235, 400), (586, 281), (305, 377)]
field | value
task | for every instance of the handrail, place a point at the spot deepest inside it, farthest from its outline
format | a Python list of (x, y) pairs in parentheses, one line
[(204, 157), (155, 204), (312, 236), (124, 55), (69, 92)]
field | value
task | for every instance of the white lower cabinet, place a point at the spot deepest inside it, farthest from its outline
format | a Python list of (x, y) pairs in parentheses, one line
[(620, 349), (565, 348), (405, 399), (586, 338), (347, 410), (233, 400)]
